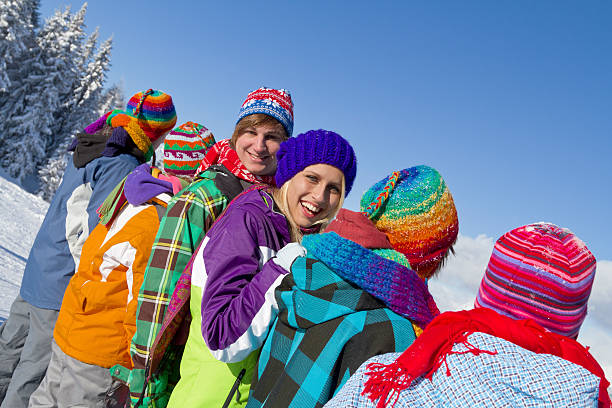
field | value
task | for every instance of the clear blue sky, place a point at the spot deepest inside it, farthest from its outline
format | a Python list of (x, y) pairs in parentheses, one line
[(510, 101)]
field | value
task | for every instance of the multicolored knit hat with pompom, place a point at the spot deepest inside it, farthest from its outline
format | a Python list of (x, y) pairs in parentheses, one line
[(155, 112), (416, 210), (540, 272), (149, 115), (276, 103), (185, 147)]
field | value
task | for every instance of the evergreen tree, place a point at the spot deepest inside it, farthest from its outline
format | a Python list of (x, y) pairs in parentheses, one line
[(18, 20), (51, 87)]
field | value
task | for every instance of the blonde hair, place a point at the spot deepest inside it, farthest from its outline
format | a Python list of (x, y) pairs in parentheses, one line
[(254, 120), (280, 198)]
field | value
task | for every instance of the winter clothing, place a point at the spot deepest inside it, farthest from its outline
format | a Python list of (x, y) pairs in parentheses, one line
[(72, 383), (276, 103), (25, 344), (398, 287), (358, 228), (314, 147), (189, 215), (326, 327), (97, 318), (71, 215), (232, 263), (528, 379), (416, 210), (154, 111), (453, 361), (557, 260), (222, 153), (54, 254), (185, 147)]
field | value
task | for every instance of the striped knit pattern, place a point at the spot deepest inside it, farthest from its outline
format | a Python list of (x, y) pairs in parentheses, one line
[(276, 103), (418, 215), (155, 112), (185, 147), (541, 272)]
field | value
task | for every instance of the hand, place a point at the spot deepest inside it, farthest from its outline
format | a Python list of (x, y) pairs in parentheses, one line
[(287, 255)]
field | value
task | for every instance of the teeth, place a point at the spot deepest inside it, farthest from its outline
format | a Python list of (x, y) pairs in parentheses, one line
[(310, 207)]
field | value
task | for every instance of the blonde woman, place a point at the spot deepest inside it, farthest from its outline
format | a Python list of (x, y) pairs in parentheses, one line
[(237, 267)]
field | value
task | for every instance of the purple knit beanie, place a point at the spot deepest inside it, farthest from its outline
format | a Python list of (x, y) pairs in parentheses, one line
[(316, 147)]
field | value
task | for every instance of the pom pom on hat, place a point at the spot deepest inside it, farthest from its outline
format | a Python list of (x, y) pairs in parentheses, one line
[(316, 147), (154, 111), (275, 103), (185, 147), (541, 272), (416, 210)]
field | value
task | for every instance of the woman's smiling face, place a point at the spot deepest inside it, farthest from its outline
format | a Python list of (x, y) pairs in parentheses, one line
[(314, 194)]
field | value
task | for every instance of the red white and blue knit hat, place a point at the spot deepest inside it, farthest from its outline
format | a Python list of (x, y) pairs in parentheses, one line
[(540, 272), (275, 103), (316, 147), (185, 147)]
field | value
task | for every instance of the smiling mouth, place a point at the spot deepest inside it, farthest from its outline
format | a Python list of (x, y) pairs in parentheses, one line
[(257, 157), (309, 209)]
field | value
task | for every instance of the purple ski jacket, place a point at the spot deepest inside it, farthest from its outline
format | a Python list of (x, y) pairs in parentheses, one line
[(241, 273)]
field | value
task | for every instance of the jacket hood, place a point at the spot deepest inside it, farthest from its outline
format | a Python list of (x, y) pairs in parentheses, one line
[(141, 185)]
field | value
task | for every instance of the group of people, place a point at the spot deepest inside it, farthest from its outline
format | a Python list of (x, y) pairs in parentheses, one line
[(233, 277)]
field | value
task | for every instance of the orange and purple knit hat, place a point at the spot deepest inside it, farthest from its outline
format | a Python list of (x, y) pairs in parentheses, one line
[(416, 210), (185, 147), (540, 272)]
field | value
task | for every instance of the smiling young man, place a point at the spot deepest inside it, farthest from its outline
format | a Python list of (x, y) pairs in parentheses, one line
[(231, 166)]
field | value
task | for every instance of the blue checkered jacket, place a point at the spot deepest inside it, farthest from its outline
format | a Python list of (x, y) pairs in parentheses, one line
[(326, 328), (514, 377)]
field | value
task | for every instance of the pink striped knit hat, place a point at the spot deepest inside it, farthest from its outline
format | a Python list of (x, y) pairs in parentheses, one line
[(541, 272)]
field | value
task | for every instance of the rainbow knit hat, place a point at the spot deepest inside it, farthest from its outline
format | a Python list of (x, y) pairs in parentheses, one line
[(541, 272), (155, 112), (275, 103), (416, 210), (185, 147)]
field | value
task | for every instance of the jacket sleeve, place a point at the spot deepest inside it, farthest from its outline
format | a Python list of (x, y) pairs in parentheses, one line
[(135, 274), (81, 206), (238, 303), (181, 230)]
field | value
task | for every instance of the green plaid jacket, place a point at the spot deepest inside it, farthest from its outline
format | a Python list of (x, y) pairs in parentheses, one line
[(189, 215)]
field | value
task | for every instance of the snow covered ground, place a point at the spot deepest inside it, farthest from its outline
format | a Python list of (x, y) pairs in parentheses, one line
[(21, 214)]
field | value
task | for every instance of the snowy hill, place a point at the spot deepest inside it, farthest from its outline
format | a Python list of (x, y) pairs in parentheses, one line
[(20, 216), (455, 288)]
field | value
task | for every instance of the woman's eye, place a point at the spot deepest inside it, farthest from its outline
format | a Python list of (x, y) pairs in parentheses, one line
[(311, 178), (334, 189)]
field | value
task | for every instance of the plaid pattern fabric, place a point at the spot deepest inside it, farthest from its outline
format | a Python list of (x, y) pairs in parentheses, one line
[(514, 377), (325, 329), (190, 214)]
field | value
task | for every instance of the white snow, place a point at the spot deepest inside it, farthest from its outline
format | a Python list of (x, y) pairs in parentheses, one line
[(21, 214), (455, 288)]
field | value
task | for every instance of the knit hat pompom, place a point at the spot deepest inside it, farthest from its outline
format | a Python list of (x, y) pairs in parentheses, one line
[(316, 147), (185, 147), (154, 111), (541, 272), (276, 103), (416, 210)]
